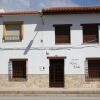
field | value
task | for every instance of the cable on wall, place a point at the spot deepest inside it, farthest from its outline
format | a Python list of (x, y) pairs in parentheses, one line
[(49, 48)]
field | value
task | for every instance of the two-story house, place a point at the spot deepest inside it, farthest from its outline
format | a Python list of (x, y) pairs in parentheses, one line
[(57, 48)]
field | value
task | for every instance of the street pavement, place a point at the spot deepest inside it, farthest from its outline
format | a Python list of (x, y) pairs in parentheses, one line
[(48, 98)]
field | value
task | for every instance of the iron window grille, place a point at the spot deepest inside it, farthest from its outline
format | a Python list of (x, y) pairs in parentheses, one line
[(17, 69)]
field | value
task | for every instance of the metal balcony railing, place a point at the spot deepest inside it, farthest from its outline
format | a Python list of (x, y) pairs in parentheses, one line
[(12, 38)]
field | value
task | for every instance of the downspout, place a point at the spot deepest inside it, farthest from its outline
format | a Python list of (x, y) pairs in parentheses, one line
[(41, 15)]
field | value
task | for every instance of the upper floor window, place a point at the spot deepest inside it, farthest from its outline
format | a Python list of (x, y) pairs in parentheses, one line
[(90, 33), (12, 31), (62, 33)]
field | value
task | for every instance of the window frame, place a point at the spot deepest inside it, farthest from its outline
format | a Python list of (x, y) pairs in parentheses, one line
[(65, 25), (5, 24), (10, 70), (97, 24)]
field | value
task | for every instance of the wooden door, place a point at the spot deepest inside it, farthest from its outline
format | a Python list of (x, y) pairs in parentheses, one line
[(56, 73)]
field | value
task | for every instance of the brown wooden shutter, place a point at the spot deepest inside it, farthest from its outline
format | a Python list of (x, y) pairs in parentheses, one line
[(19, 69), (90, 33), (62, 34), (94, 68)]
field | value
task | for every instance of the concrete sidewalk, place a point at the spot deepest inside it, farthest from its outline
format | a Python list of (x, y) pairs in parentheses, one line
[(52, 92)]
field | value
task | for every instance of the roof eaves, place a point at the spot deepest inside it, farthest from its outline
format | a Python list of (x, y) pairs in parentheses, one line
[(20, 13), (71, 10)]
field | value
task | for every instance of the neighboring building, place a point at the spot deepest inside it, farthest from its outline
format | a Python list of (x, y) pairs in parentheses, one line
[(56, 48)]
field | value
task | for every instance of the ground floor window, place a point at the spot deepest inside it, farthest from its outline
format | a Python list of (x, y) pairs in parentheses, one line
[(18, 69), (93, 68)]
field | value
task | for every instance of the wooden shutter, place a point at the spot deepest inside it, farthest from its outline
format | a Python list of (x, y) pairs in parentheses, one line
[(19, 69), (94, 68), (62, 34), (90, 33)]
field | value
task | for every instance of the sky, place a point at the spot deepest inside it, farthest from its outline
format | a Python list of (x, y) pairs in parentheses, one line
[(18, 5)]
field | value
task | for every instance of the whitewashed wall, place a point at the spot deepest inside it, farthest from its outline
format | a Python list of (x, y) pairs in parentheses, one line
[(75, 52)]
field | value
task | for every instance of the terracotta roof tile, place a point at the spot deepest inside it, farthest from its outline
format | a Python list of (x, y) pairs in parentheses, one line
[(71, 10), (19, 13), (59, 10)]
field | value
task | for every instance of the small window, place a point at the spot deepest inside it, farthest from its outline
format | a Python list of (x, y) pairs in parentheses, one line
[(93, 68), (17, 69), (90, 33), (62, 33), (12, 31)]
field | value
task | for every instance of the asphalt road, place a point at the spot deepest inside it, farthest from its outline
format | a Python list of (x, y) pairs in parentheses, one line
[(49, 98)]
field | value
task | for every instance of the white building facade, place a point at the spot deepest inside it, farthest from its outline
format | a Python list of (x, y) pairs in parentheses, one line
[(49, 51)]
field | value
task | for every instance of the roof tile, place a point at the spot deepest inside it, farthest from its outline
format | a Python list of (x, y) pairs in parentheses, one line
[(71, 10), (19, 13)]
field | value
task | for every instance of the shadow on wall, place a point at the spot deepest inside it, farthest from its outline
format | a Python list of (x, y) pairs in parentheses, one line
[(30, 44), (40, 26)]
